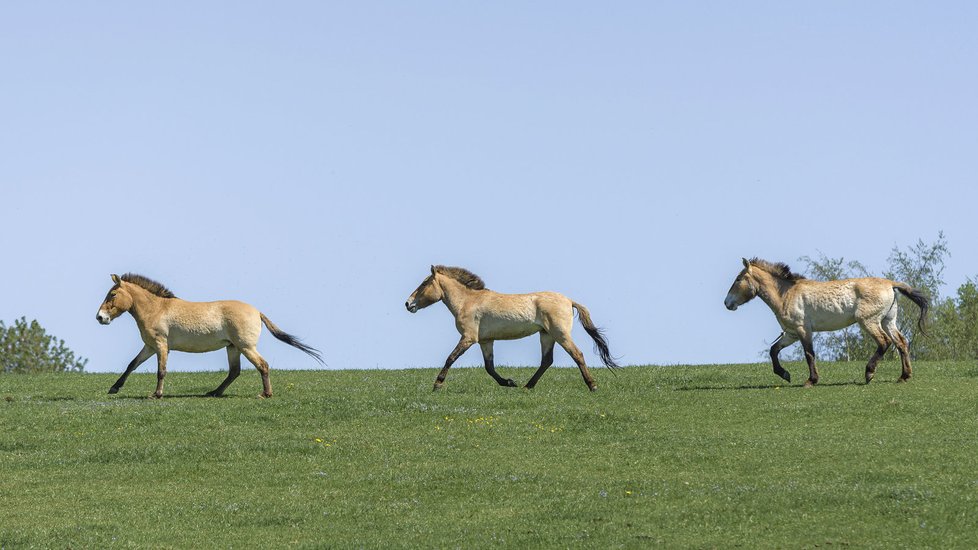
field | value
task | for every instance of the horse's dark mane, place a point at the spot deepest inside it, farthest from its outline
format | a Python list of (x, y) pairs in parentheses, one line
[(462, 275), (778, 269), (148, 284)]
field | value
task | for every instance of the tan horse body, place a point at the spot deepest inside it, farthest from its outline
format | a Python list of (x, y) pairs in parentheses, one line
[(483, 316), (167, 323), (804, 307)]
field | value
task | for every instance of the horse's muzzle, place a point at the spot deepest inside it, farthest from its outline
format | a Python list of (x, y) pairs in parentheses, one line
[(102, 318), (411, 307)]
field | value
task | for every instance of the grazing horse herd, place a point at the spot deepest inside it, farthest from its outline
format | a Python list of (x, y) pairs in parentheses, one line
[(802, 307)]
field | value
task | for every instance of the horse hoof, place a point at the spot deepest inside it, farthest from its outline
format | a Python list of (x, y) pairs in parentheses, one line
[(785, 375), (902, 379), (809, 384), (869, 378), (113, 390), (436, 388), (510, 383), (264, 395), (212, 394), (155, 396), (593, 388)]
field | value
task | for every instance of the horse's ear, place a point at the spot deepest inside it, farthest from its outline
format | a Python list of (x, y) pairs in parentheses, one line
[(746, 263), (432, 270), (116, 279)]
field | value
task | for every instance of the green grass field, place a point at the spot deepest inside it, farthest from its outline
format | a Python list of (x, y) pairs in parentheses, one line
[(700, 456)]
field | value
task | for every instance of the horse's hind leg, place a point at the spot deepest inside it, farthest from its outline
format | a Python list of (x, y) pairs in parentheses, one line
[(262, 365), (782, 342), (578, 357), (546, 359), (140, 358), (491, 368), (234, 369), (882, 343), (900, 341)]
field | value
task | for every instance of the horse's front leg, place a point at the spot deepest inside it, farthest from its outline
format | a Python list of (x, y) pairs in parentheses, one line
[(161, 354), (140, 358), (463, 344), (782, 342), (806, 344), (491, 367)]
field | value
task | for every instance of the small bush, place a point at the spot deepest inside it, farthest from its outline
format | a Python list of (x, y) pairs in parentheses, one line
[(28, 348)]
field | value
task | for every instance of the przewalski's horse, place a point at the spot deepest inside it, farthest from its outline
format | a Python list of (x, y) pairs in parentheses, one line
[(483, 316), (168, 323), (804, 307)]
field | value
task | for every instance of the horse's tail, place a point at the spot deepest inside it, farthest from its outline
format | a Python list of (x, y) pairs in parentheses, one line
[(917, 297), (291, 340), (600, 343)]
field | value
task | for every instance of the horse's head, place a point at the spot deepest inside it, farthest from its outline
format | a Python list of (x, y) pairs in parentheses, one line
[(427, 293), (743, 289), (117, 302)]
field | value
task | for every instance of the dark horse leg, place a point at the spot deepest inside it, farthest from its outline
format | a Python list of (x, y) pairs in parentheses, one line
[(782, 342), (234, 369), (140, 358), (547, 359), (882, 344), (491, 368), (463, 345), (806, 344)]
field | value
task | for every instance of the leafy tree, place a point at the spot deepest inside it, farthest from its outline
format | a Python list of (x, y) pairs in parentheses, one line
[(28, 348), (956, 321), (922, 267)]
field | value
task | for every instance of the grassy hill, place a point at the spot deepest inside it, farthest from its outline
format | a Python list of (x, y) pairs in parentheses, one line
[(702, 456)]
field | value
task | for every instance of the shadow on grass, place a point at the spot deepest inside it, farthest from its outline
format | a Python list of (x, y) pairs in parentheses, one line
[(175, 396), (57, 398), (781, 386)]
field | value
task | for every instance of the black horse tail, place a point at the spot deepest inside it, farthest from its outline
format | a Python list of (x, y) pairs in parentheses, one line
[(600, 343), (919, 298), (291, 340)]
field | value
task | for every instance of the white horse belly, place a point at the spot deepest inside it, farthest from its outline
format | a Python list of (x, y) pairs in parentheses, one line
[(195, 342), (199, 331), (508, 325), (508, 331), (823, 321)]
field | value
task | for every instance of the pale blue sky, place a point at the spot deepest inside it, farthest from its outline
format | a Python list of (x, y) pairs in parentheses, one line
[(314, 159)]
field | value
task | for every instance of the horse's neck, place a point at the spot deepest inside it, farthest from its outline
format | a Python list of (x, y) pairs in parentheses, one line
[(772, 291), (454, 294), (144, 305)]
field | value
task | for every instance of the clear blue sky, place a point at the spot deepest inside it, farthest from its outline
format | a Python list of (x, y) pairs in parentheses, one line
[(314, 158)]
